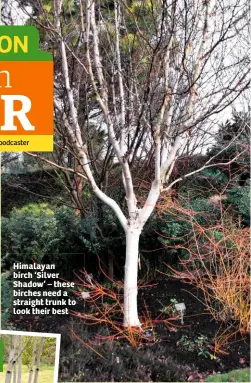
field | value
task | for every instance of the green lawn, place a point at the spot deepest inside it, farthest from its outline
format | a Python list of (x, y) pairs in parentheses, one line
[(46, 374)]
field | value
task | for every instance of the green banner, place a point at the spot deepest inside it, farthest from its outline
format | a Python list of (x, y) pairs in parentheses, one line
[(21, 43)]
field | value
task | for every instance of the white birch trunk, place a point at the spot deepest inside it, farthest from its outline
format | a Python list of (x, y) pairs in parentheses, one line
[(32, 360), (131, 318), (14, 373), (39, 354), (11, 359)]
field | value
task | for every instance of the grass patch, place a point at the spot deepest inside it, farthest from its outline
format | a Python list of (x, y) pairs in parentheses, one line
[(46, 374), (242, 375)]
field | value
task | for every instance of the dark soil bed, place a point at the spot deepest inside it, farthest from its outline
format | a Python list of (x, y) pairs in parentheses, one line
[(179, 353), (196, 321)]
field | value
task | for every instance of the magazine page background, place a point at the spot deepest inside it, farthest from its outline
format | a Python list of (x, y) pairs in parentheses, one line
[(52, 217)]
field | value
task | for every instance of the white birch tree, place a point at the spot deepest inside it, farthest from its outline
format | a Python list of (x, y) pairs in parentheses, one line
[(38, 359), (157, 74), (11, 359), (14, 367)]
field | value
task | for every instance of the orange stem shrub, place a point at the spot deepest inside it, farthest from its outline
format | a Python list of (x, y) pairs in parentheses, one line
[(218, 265)]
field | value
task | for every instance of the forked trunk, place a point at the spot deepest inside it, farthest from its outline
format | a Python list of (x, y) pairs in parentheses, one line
[(131, 276)]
